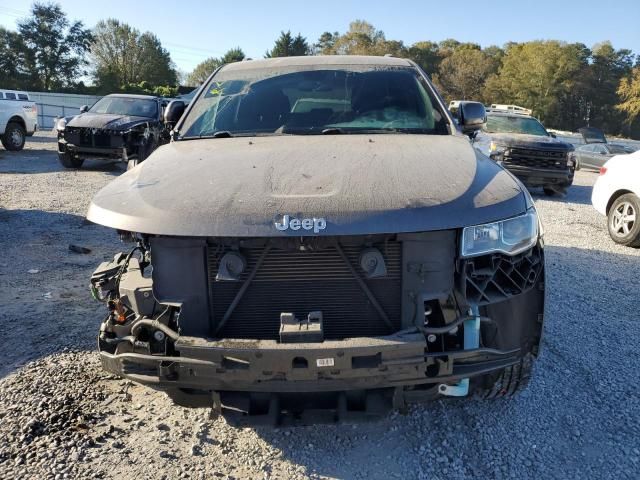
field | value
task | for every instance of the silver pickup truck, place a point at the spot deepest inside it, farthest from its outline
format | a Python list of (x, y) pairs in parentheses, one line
[(18, 119)]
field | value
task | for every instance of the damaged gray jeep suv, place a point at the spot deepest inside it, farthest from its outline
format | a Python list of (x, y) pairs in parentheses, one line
[(320, 242)]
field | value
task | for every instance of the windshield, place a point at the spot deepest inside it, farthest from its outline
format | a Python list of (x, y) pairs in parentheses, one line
[(514, 124), (135, 107), (307, 100)]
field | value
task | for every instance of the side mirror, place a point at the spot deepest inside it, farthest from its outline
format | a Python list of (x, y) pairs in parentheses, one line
[(471, 117), (173, 111), (84, 108)]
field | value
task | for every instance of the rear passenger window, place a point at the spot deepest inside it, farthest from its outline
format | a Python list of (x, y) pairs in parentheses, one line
[(23, 96), (10, 96)]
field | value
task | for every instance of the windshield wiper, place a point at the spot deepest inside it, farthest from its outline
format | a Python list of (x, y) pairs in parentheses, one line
[(332, 131), (218, 134)]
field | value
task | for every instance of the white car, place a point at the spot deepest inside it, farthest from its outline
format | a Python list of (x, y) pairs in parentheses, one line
[(18, 118), (616, 194)]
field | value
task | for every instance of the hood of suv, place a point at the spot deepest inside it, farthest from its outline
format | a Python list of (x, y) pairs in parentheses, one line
[(357, 184), (529, 141), (107, 121)]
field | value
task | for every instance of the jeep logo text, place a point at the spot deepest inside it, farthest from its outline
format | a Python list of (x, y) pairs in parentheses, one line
[(289, 223)]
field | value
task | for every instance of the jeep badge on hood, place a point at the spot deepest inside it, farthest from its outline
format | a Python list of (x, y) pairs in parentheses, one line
[(289, 223)]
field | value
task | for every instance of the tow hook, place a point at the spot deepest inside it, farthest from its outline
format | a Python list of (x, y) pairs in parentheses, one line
[(471, 340)]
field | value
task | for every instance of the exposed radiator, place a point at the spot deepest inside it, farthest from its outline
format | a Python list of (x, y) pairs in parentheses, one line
[(305, 281)]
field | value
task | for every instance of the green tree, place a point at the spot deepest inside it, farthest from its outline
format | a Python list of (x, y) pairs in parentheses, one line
[(157, 67), (233, 55), (427, 55), (361, 39), (463, 73), (629, 91), (12, 73), (573, 103), (288, 46), (53, 48), (206, 68), (495, 53), (202, 71), (537, 75), (608, 66), (448, 46), (325, 43), (122, 56)]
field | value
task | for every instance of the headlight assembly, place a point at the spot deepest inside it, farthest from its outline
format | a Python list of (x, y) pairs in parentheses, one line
[(510, 236), (495, 148), (61, 123), (496, 151)]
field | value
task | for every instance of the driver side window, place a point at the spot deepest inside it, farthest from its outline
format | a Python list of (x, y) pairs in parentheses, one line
[(599, 149)]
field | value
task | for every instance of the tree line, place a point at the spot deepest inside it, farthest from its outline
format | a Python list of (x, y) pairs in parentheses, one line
[(568, 85)]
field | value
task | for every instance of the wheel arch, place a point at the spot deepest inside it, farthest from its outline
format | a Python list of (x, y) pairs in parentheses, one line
[(615, 196), (19, 120)]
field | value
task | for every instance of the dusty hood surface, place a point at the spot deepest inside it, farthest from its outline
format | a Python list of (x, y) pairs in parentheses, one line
[(107, 121), (358, 183), (529, 141)]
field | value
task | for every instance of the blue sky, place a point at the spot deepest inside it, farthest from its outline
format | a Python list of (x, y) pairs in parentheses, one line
[(195, 30)]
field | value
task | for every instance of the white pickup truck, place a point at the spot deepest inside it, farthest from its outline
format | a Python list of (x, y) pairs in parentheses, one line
[(18, 118)]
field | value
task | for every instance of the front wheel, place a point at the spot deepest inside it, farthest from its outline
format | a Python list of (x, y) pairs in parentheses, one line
[(508, 382), (14, 137), (144, 151), (577, 164), (622, 220)]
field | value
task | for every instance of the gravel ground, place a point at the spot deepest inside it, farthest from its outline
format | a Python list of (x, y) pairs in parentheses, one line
[(62, 417)]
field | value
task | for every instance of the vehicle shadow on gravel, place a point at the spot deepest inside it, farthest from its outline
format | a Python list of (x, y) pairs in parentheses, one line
[(580, 194), (44, 290), (43, 137), (110, 167), (33, 161)]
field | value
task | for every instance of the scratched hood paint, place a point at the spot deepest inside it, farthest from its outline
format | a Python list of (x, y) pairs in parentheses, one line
[(359, 183)]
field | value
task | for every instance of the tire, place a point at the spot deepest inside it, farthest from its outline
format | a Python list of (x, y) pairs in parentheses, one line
[(623, 220), (69, 161), (14, 137), (508, 382), (143, 152), (577, 164)]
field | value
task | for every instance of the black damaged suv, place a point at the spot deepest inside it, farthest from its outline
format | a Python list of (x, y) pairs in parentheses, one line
[(522, 145), (120, 127), (319, 242)]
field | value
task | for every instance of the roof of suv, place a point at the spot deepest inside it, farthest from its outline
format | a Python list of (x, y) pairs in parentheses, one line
[(318, 60), (504, 113), (508, 114), (133, 95)]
